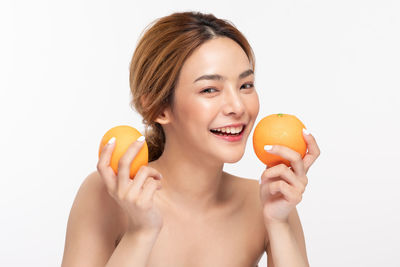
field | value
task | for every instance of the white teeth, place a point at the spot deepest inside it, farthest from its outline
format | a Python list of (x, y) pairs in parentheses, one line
[(231, 130)]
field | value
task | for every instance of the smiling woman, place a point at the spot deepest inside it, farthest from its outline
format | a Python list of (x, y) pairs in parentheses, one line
[(159, 58), (192, 80)]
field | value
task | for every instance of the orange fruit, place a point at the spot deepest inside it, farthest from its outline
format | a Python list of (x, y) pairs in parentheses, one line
[(125, 136), (278, 129)]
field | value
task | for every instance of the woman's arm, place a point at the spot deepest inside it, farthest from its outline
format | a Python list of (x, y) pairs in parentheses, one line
[(286, 243), (281, 190)]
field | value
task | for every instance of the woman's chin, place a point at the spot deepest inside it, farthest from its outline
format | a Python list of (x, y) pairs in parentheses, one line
[(232, 161), (233, 158)]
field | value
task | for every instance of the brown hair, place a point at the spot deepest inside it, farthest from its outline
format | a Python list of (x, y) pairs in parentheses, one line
[(157, 61)]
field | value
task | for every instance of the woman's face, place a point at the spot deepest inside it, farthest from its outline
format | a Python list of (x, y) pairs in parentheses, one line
[(215, 89)]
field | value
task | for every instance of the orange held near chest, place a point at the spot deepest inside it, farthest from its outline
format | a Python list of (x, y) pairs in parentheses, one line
[(278, 129)]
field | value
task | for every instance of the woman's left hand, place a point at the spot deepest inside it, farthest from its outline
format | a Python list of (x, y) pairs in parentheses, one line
[(282, 187)]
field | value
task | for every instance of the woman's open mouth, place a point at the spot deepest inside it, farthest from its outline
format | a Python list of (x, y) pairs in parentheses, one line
[(229, 133)]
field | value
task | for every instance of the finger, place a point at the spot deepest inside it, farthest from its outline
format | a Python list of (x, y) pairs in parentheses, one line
[(288, 192), (283, 172), (294, 157), (124, 164), (149, 188), (313, 151), (143, 173), (103, 167)]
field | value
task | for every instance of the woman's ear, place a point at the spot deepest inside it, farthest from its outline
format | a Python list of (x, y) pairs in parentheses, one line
[(165, 117)]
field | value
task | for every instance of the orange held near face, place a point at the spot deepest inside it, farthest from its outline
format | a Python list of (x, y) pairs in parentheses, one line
[(278, 129), (125, 136)]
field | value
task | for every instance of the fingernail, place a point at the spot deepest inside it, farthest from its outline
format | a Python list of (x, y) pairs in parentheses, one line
[(141, 139), (267, 147), (305, 131), (259, 181), (111, 141)]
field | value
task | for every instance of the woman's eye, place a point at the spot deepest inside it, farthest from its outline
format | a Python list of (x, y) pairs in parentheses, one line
[(248, 85), (208, 90), (213, 90)]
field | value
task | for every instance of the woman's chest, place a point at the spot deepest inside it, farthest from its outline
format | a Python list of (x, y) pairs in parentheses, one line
[(233, 241)]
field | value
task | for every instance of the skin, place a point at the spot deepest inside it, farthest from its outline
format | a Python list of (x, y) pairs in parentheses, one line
[(183, 209)]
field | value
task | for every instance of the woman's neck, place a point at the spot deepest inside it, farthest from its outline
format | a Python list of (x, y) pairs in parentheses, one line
[(190, 182)]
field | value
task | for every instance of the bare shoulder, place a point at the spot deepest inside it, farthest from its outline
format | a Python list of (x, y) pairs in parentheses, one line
[(249, 187), (248, 191), (95, 221), (94, 192)]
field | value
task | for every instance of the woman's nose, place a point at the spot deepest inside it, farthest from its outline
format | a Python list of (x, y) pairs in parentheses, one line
[(233, 103)]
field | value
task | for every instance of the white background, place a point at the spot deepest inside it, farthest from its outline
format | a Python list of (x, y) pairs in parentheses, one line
[(334, 64)]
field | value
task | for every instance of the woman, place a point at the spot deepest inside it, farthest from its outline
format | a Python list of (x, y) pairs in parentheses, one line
[(192, 80)]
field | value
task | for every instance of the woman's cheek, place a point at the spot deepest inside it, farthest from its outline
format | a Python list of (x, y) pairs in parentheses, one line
[(254, 104)]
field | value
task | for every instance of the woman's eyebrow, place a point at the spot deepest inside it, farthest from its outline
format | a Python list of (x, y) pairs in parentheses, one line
[(219, 77)]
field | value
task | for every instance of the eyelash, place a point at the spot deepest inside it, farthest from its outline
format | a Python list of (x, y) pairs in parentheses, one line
[(251, 85)]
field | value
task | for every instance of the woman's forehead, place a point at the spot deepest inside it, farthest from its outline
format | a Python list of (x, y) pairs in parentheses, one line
[(220, 56)]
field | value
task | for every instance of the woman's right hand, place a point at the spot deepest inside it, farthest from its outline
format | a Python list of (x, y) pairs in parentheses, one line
[(134, 196)]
